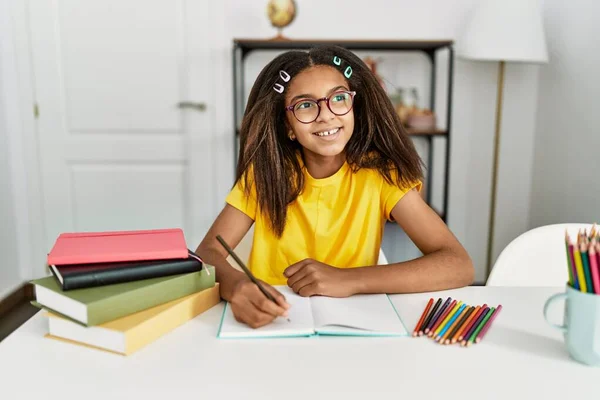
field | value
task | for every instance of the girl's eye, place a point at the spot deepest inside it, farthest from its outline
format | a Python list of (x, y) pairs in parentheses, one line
[(304, 105), (340, 97)]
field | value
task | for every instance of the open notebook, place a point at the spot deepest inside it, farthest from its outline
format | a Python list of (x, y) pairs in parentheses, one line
[(360, 315)]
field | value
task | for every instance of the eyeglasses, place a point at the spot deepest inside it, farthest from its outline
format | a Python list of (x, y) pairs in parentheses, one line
[(308, 110)]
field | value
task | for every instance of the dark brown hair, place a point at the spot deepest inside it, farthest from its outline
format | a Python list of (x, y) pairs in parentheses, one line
[(379, 141)]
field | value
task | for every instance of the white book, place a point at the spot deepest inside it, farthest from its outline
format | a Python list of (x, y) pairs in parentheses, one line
[(359, 315)]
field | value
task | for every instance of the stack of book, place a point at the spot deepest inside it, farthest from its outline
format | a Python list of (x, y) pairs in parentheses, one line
[(119, 291)]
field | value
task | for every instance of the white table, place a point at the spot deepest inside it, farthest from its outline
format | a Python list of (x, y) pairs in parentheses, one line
[(520, 357)]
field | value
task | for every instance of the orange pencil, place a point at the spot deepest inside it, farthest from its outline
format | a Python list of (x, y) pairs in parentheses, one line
[(472, 322), (451, 327), (418, 326), (460, 331), (441, 318)]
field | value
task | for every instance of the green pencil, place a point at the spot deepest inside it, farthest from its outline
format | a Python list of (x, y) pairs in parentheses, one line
[(569, 266), (480, 327)]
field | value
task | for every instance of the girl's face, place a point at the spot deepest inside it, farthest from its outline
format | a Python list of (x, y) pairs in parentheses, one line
[(329, 133)]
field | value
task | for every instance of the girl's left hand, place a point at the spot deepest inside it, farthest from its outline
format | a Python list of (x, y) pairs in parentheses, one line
[(309, 278)]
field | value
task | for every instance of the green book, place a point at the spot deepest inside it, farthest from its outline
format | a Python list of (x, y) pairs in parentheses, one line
[(94, 306)]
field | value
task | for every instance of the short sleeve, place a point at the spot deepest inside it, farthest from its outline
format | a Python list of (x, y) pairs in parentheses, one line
[(391, 195), (237, 197)]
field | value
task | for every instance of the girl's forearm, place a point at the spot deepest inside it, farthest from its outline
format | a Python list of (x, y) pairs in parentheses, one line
[(226, 275), (442, 269)]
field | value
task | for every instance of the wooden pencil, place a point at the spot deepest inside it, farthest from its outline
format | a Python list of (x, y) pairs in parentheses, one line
[(460, 323), (432, 313), (448, 316), (435, 318), (486, 328), (441, 318), (425, 312), (579, 267), (480, 326), (569, 251), (593, 265), (470, 323), (458, 317), (583, 248), (474, 326), (450, 322)]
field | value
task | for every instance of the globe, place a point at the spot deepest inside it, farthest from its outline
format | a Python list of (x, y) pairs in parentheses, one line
[(281, 13)]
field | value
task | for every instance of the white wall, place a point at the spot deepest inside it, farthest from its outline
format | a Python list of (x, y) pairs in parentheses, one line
[(566, 183)]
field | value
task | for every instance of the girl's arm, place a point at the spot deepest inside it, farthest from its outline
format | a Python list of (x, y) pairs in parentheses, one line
[(248, 303), (445, 264)]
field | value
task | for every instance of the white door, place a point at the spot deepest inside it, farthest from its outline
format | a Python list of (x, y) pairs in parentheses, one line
[(116, 151)]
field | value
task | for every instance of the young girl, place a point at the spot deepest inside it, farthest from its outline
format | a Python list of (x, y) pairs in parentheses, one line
[(323, 163)]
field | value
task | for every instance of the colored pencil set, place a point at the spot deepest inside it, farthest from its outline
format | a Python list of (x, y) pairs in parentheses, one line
[(583, 259), (455, 322)]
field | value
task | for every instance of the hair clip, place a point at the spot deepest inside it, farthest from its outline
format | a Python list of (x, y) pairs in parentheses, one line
[(285, 76), (278, 88), (337, 61), (348, 72)]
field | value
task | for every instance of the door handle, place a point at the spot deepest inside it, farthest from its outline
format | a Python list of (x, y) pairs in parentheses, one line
[(192, 105)]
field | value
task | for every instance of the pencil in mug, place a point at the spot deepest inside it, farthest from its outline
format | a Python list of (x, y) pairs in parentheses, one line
[(448, 318), (486, 328), (570, 263), (462, 329), (441, 318), (593, 263), (579, 267), (418, 326), (434, 310), (472, 322), (246, 270), (452, 323), (459, 323), (434, 318), (480, 326), (583, 248), (474, 326)]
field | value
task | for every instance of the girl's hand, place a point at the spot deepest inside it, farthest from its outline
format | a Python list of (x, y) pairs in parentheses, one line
[(309, 277), (250, 306)]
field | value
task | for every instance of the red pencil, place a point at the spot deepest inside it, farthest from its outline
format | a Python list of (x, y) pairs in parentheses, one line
[(481, 334), (442, 318), (417, 328), (470, 324)]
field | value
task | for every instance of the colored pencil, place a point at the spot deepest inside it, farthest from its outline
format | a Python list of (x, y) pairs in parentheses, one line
[(435, 318), (486, 328), (441, 318), (471, 322), (451, 318), (436, 306), (459, 332), (593, 263), (569, 251), (480, 326), (573, 267), (452, 323), (583, 247), (448, 316), (579, 267), (475, 325), (418, 326), (465, 316)]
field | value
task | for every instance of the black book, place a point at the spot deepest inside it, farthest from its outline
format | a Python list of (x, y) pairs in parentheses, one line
[(79, 276)]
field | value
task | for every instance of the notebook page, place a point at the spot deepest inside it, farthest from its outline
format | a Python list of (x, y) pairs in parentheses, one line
[(300, 316), (368, 314)]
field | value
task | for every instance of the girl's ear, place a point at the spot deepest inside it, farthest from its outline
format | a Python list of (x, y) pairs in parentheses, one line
[(291, 135)]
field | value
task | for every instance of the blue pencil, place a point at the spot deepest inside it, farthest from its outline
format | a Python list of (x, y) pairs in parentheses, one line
[(451, 321)]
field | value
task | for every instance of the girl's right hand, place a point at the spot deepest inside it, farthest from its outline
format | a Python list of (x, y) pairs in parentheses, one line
[(252, 307)]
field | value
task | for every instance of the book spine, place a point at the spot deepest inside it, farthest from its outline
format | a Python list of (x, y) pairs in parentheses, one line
[(104, 277), (149, 296)]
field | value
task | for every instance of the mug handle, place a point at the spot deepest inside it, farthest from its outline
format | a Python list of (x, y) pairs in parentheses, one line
[(551, 300)]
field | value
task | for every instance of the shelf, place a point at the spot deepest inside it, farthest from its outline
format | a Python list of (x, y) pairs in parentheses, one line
[(428, 132), (284, 44)]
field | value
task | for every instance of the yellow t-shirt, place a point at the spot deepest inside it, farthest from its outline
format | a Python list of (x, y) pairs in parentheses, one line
[(338, 220)]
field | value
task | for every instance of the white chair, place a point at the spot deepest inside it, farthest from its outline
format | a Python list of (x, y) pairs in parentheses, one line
[(243, 250), (535, 258)]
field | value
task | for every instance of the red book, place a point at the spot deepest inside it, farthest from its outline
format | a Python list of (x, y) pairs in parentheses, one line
[(99, 247)]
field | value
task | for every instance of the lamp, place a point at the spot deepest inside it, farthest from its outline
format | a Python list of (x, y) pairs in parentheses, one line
[(503, 31)]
